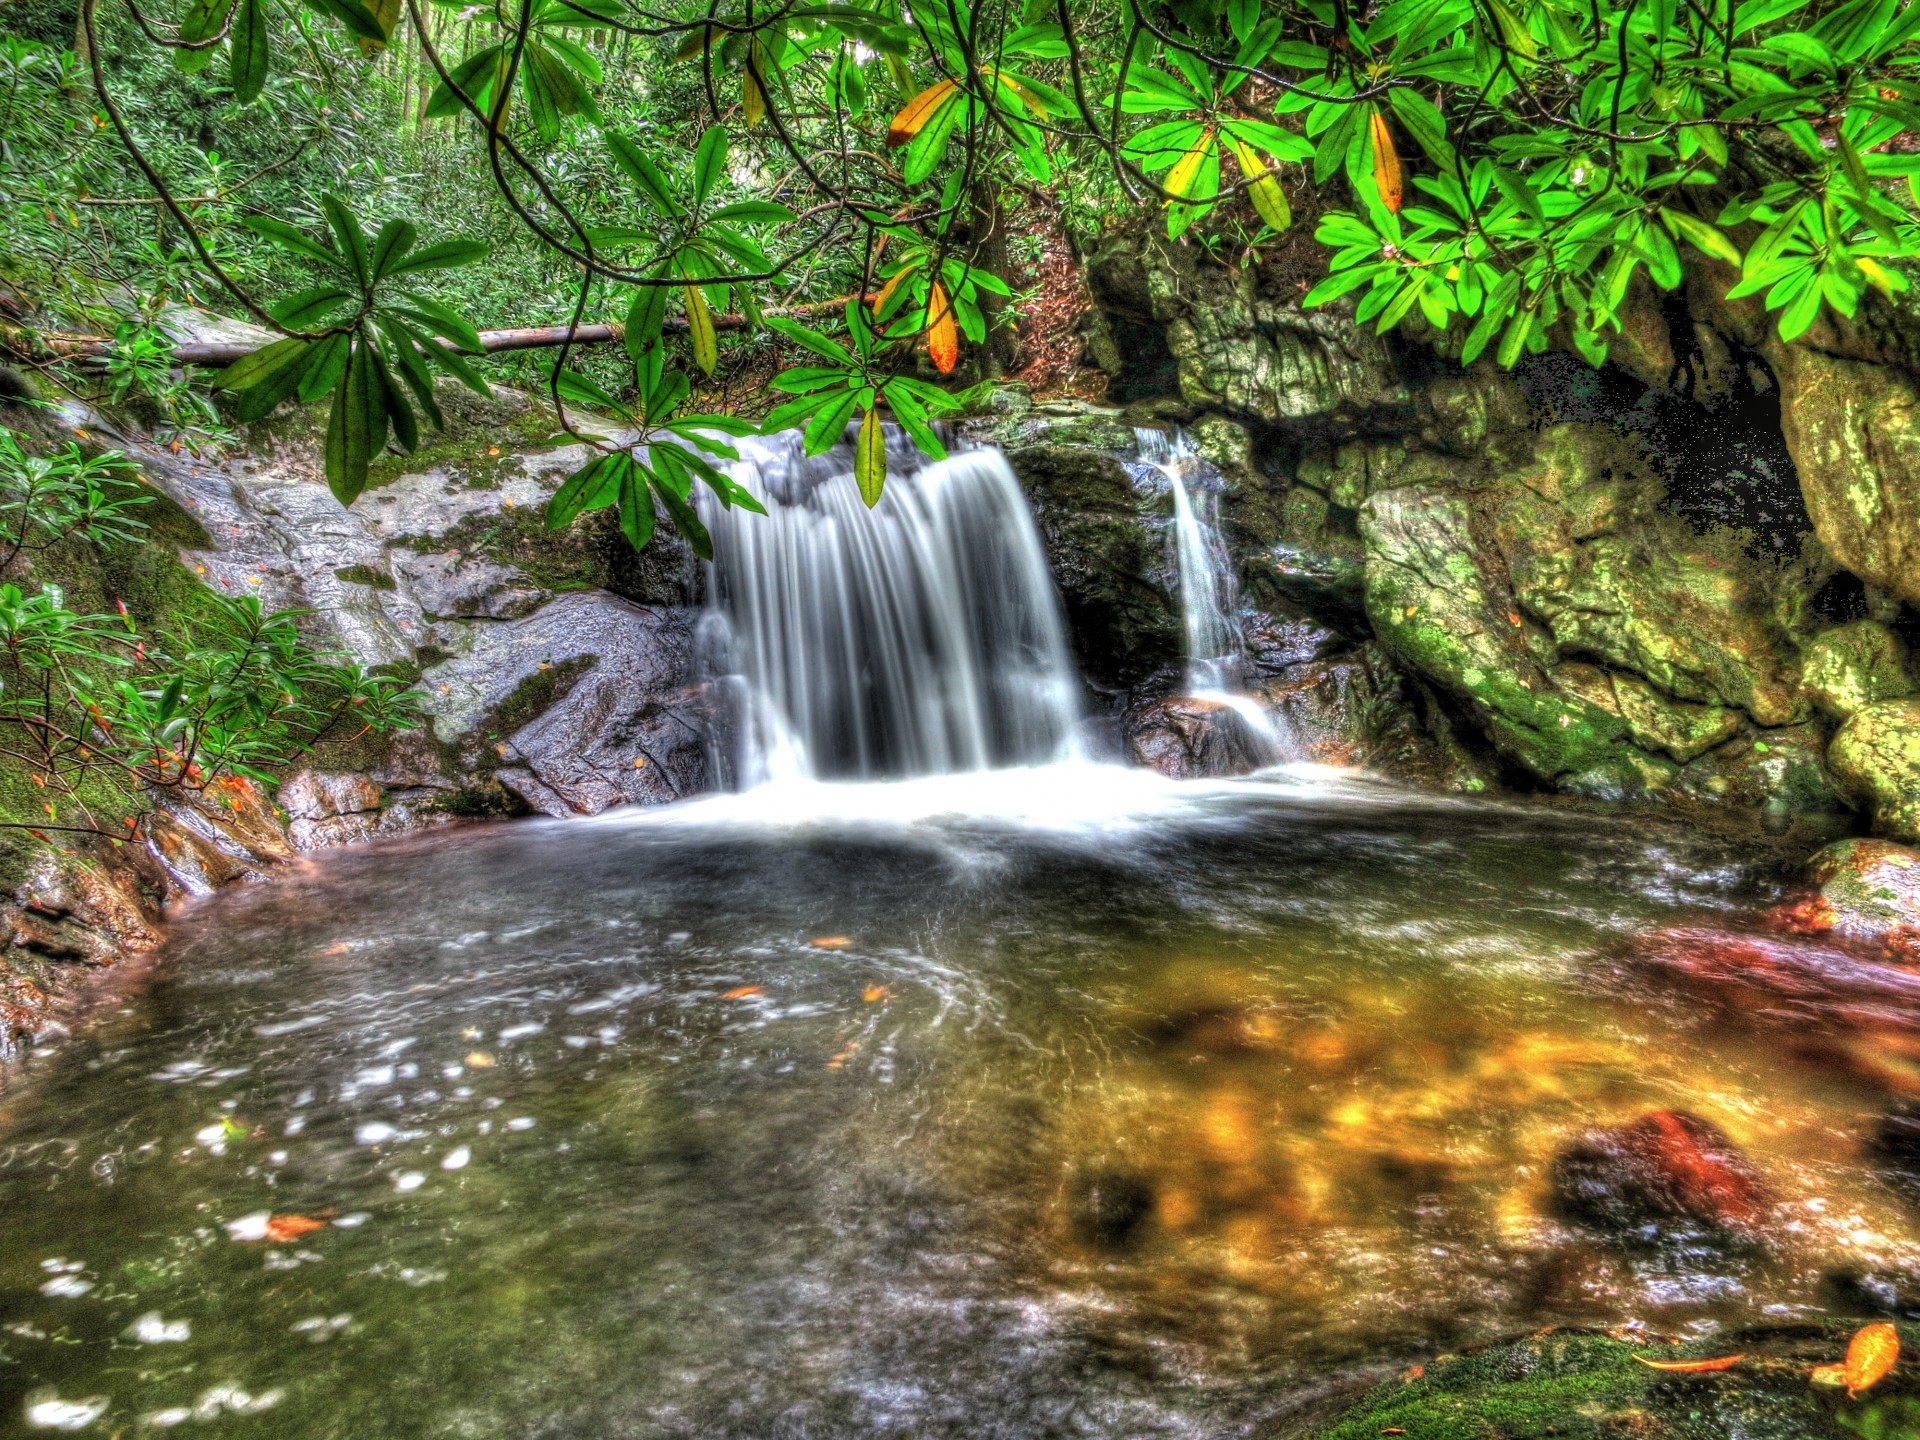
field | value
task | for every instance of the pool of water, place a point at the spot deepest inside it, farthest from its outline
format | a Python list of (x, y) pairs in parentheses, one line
[(1063, 1102)]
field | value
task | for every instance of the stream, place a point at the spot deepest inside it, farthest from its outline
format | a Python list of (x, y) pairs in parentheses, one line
[(1046, 1101)]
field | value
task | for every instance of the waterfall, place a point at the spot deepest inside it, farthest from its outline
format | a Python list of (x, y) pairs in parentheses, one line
[(1217, 668), (921, 637)]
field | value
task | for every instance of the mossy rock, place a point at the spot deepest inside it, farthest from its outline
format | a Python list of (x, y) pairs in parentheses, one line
[(1851, 666), (1877, 756), (1573, 1385)]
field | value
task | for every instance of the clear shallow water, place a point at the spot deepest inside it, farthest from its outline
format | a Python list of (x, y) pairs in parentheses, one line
[(1048, 1103)]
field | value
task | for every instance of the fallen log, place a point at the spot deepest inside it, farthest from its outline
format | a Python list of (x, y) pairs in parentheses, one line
[(538, 337)]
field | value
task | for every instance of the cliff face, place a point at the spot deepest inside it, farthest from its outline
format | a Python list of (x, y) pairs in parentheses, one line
[(1689, 578), (554, 669)]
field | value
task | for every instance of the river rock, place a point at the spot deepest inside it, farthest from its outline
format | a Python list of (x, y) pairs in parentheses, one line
[(1185, 738), (1876, 755), (1670, 1175), (1852, 666), (1869, 890)]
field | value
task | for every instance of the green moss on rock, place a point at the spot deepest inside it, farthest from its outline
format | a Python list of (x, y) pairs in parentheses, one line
[(1855, 665), (1876, 754)]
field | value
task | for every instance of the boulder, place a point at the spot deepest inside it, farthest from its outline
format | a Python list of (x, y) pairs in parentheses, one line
[(1185, 738), (586, 703), (1869, 890), (1876, 755), (325, 809), (1850, 426), (1851, 666), (1668, 1176)]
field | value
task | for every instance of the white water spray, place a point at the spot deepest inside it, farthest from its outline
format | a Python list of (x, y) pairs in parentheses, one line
[(922, 637)]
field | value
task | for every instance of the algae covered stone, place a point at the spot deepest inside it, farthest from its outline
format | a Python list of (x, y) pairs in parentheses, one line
[(1876, 755), (1871, 887), (1854, 665)]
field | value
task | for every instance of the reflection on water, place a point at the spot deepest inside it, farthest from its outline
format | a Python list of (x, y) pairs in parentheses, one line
[(925, 1120)]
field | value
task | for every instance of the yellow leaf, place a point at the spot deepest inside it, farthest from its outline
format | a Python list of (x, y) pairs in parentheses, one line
[(387, 13), (753, 101), (916, 112), (479, 1060), (706, 345), (875, 993), (1829, 1375), (1269, 200), (886, 290), (830, 942), (1187, 168), (1870, 1355), (870, 458), (943, 334), (1386, 163), (1692, 1367)]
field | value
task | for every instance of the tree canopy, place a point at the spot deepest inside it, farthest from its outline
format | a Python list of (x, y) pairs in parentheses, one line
[(838, 175)]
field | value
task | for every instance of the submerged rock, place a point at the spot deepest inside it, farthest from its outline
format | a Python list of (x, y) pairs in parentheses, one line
[(1668, 1176), (1109, 1208)]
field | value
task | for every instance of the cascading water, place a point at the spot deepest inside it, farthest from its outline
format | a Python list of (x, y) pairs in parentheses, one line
[(921, 637), (1217, 669)]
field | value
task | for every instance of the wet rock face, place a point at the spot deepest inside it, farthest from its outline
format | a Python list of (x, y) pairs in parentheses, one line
[(1110, 1208), (1668, 1176), (1187, 739), (1849, 667), (587, 703)]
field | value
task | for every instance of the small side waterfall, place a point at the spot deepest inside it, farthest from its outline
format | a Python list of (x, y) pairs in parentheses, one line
[(1217, 668), (921, 637)]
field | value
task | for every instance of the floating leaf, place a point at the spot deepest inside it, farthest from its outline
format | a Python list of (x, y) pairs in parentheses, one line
[(830, 942), (1870, 1355), (875, 993), (1386, 162), (1692, 1367), (479, 1060), (943, 335), (744, 992), (283, 1228)]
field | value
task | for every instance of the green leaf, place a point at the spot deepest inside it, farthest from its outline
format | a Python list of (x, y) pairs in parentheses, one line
[(346, 230), (395, 239), (809, 339), (443, 256), (1702, 236), (709, 161), (252, 368), (830, 422), (929, 146), (251, 56), (323, 373), (686, 521), (579, 492), (442, 320), (645, 175), (636, 503), (645, 316), (309, 307), (289, 238)]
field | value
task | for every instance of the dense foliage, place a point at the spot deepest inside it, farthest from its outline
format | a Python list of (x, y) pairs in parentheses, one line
[(1504, 168), (100, 713)]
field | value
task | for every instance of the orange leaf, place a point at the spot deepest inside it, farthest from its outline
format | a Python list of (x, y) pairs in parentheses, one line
[(1870, 1355), (1692, 1367), (917, 111), (830, 942), (1386, 163), (943, 335), (876, 992), (283, 1228), (742, 992)]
